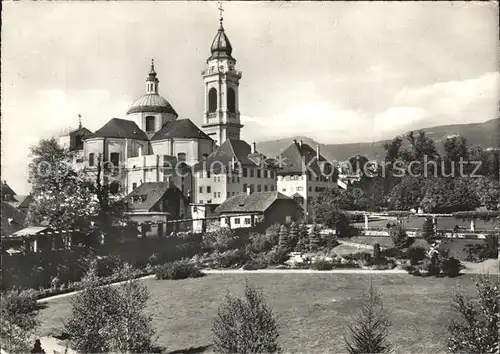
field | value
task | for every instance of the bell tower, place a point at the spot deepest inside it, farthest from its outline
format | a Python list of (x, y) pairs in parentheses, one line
[(221, 119)]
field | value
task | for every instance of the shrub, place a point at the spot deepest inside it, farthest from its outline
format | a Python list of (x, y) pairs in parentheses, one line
[(450, 267), (303, 239), (433, 267), (342, 225), (255, 264), (399, 236), (293, 235), (273, 232), (178, 270), (230, 258), (110, 319), (393, 253), (314, 239), (371, 328), (321, 264), (220, 240), (476, 331), (19, 312), (283, 243), (276, 256), (260, 242), (376, 251), (428, 232), (416, 254), (245, 325)]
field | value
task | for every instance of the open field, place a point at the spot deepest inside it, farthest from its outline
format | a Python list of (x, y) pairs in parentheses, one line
[(442, 223), (312, 309)]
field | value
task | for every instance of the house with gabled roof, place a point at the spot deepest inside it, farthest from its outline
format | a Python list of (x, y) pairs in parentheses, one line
[(231, 169), (304, 174), (259, 209), (152, 204)]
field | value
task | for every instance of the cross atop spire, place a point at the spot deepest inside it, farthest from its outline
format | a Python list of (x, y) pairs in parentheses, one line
[(79, 121), (221, 10), (152, 71)]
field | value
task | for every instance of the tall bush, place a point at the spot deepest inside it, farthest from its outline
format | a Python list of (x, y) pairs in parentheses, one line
[(19, 319), (293, 235), (371, 327), (283, 244), (273, 232), (303, 239), (245, 325), (399, 236), (342, 225), (428, 232), (477, 327), (314, 238), (376, 252)]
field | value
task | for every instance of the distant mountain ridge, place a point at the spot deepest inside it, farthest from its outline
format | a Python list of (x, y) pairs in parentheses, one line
[(486, 134)]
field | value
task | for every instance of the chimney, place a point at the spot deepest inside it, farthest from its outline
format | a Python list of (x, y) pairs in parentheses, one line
[(248, 190), (300, 143), (317, 152), (254, 148)]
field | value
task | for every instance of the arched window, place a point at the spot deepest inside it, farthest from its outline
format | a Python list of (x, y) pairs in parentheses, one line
[(212, 100), (150, 124), (231, 100), (181, 156)]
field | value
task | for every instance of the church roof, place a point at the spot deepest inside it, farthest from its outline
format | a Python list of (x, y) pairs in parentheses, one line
[(16, 219), (221, 47), (152, 102), (180, 128), (148, 194), (119, 128)]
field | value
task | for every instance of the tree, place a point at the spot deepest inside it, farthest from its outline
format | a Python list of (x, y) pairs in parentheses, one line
[(399, 236), (303, 239), (477, 329), (314, 239), (408, 193), (393, 150), (447, 195), (293, 235), (283, 243), (110, 319), (428, 232), (245, 325), (62, 198), (19, 319), (371, 327)]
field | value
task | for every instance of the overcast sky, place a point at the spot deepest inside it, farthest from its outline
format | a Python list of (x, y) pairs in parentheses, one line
[(334, 71)]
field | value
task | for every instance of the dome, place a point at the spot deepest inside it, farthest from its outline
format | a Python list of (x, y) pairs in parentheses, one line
[(152, 102), (221, 47)]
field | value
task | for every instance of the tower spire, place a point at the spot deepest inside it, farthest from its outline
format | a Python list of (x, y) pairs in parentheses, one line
[(79, 121), (152, 81), (152, 71), (221, 10)]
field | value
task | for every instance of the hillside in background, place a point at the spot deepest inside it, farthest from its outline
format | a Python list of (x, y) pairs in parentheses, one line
[(486, 134)]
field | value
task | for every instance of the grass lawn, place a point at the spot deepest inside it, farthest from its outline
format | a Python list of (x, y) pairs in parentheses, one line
[(312, 310)]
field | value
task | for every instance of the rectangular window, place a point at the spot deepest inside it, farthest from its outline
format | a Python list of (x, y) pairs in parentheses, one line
[(215, 194), (237, 221), (272, 174), (245, 187), (238, 179), (251, 172), (284, 190), (201, 201), (208, 174), (232, 179), (134, 186), (245, 172), (258, 173), (272, 188), (259, 188), (201, 189), (218, 179), (218, 194), (247, 221), (251, 189), (233, 193), (215, 179), (115, 159), (265, 188), (91, 159), (310, 189), (317, 179), (150, 124), (228, 194), (209, 189)]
